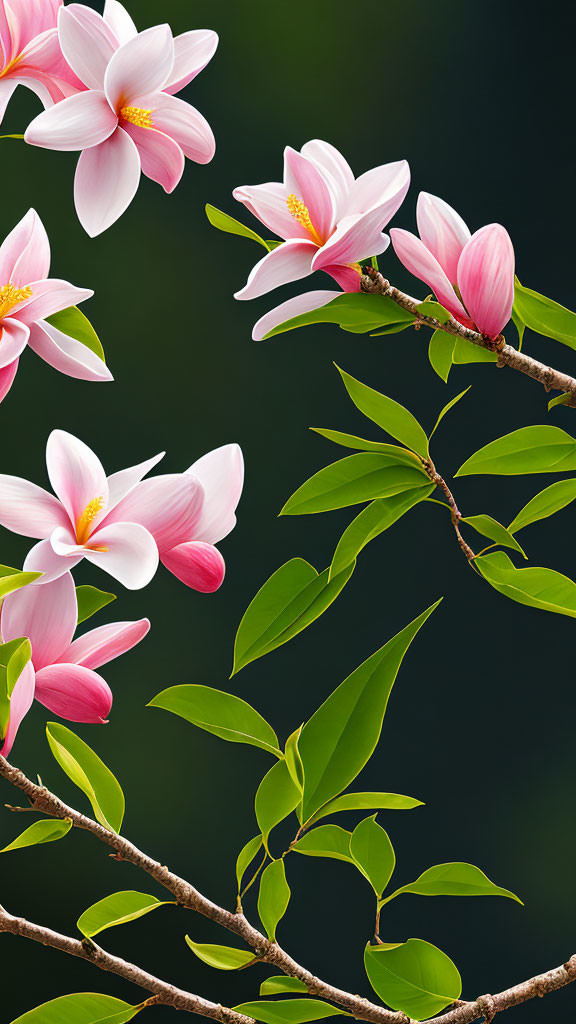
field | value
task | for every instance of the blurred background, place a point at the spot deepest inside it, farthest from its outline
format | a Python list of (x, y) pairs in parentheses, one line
[(480, 725)]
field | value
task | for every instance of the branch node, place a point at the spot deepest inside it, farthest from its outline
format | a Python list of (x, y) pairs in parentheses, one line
[(488, 1007)]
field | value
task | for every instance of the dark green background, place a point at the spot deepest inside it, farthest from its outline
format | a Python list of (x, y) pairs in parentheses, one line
[(479, 98)]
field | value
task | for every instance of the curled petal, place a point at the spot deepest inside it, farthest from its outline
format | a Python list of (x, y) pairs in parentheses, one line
[(107, 179), (102, 645), (117, 18), (443, 232), (121, 483), (47, 615), (25, 252), (221, 474), (192, 52), (79, 122), (486, 278), (76, 474), (13, 340), (169, 507), (7, 375), (334, 168), (87, 42), (304, 180), (292, 307), (75, 693), (356, 237), (42, 558), (200, 566), (382, 188), (49, 297), (140, 66), (161, 158), (185, 125), (420, 262), (28, 509), (20, 704), (127, 551), (66, 354), (288, 262), (269, 204)]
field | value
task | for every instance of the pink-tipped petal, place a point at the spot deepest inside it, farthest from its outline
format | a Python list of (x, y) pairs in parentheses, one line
[(42, 558), (13, 340), (356, 238), (292, 307), (268, 203), (7, 375), (75, 693), (140, 66), (334, 168), (304, 180), (25, 252), (221, 474), (66, 354), (105, 643), (290, 261), (184, 124), (382, 188), (192, 52), (161, 158), (49, 297), (117, 18), (443, 232), (47, 615), (125, 480), (20, 704), (169, 507), (200, 566), (107, 179), (76, 474), (486, 278), (349, 278), (126, 551), (28, 509), (420, 262), (80, 122), (87, 42)]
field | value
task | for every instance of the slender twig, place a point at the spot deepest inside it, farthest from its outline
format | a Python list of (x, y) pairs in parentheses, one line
[(455, 513), (552, 380)]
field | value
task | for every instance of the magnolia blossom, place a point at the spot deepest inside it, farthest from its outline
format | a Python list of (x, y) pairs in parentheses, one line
[(61, 673), (127, 119), (30, 52), (471, 275), (27, 297)]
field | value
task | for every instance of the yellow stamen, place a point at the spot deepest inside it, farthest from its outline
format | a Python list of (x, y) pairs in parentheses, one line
[(356, 267), (301, 213), (87, 518), (138, 116), (11, 296)]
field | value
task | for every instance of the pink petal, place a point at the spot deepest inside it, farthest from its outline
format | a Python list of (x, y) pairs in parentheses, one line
[(292, 307), (47, 615), (356, 238), (105, 643), (169, 507), (66, 354), (161, 158), (198, 565), (121, 483), (28, 509), (382, 188), (192, 52), (13, 340), (486, 278), (269, 204), (303, 179), (87, 42), (288, 262), (129, 553), (80, 122), (74, 693), (7, 375), (25, 19), (221, 474), (349, 278), (140, 66), (7, 87), (20, 704), (117, 18), (42, 558), (334, 168), (184, 124), (443, 232), (42, 59), (420, 262), (25, 252), (76, 474), (107, 179), (49, 297)]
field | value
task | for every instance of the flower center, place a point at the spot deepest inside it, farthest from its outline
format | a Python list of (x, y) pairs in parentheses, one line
[(138, 116), (11, 296), (301, 213), (87, 518)]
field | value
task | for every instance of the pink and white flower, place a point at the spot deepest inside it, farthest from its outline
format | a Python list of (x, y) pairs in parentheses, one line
[(27, 297), (127, 120), (61, 673), (85, 519), (30, 52), (471, 275)]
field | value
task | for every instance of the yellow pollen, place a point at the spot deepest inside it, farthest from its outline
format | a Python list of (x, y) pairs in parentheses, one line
[(11, 296), (86, 519), (301, 213), (138, 116)]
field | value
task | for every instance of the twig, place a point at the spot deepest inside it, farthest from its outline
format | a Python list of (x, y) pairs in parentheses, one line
[(455, 513)]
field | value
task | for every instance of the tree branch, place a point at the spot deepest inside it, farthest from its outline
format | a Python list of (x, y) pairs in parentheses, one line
[(455, 513)]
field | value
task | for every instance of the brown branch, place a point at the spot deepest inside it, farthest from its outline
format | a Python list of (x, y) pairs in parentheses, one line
[(553, 380), (455, 513)]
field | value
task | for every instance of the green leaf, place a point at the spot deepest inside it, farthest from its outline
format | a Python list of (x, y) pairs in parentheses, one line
[(545, 316), (119, 908), (273, 898), (541, 449), (276, 798), (415, 978), (353, 311), (563, 399), (13, 579), (455, 879), (536, 587), (289, 1011), (366, 802), (352, 480), (544, 504), (81, 1008), (391, 328), (361, 444), (45, 831), (224, 222), (89, 773), (388, 414), (225, 958), (373, 853), (281, 983), (294, 596), (245, 858), (219, 713), (519, 325), (435, 310), (294, 761), (325, 841), (440, 352), (467, 352), (450, 405), (489, 527), (91, 600), (72, 322), (373, 520), (14, 656), (341, 736)]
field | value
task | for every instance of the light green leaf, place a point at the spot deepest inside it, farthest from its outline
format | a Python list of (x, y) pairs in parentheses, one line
[(541, 449), (91, 600), (224, 222), (245, 858), (294, 761), (72, 322), (89, 773), (224, 958), (13, 579), (388, 414), (294, 596), (536, 587), (353, 311), (563, 399), (279, 983), (351, 481), (415, 978), (447, 408), (373, 520), (119, 908), (440, 352), (81, 1008), (366, 802), (544, 315), (435, 310), (467, 352), (276, 798), (391, 328), (325, 841), (289, 1011), (219, 713), (373, 853), (274, 897), (489, 527), (14, 656), (408, 458), (455, 879), (341, 736), (544, 504), (45, 831)]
